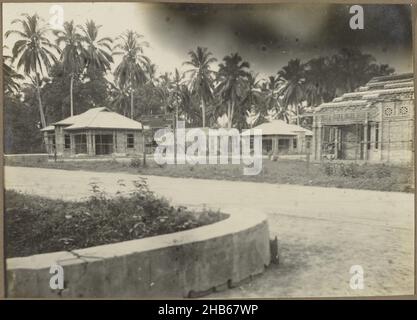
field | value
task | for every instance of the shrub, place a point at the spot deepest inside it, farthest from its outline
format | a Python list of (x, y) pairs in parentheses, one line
[(382, 172), (37, 225), (135, 163), (327, 168), (351, 170)]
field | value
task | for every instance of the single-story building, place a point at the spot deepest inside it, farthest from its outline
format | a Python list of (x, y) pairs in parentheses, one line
[(373, 124), (98, 132), (279, 137)]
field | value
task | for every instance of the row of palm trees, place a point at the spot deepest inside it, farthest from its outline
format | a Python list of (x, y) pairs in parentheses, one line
[(230, 89)]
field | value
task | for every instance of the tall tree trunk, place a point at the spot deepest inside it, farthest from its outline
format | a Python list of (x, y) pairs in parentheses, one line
[(203, 112), (229, 108), (41, 113), (131, 104), (298, 114), (229, 114), (232, 111), (71, 94), (38, 93)]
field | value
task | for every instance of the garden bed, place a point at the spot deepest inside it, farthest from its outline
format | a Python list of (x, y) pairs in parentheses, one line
[(39, 225)]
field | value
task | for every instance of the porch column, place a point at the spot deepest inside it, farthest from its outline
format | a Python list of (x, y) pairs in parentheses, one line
[(90, 144), (365, 140), (319, 141), (275, 145), (301, 142)]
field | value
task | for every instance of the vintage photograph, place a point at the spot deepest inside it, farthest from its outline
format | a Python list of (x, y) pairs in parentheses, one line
[(179, 150)]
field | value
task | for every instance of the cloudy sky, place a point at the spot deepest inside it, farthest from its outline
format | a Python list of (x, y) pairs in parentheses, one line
[(265, 35)]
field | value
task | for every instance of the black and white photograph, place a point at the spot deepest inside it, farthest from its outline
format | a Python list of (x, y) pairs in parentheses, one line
[(214, 151)]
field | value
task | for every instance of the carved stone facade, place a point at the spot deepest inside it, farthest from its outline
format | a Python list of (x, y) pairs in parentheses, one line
[(373, 124)]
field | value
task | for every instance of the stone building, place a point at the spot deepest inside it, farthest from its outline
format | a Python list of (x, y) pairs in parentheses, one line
[(279, 137), (98, 132), (373, 124)]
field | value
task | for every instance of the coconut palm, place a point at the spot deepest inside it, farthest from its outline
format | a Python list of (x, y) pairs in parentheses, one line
[(151, 71), (251, 117), (120, 99), (231, 77), (272, 94), (201, 77), (253, 97), (320, 83), (132, 70), (96, 52), (72, 54), (163, 91), (293, 92), (33, 52), (352, 68), (177, 92), (10, 77)]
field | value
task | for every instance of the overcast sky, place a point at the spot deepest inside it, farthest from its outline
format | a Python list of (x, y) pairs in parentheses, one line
[(267, 36)]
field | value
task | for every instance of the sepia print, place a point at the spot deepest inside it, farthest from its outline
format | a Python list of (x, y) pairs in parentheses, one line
[(178, 150)]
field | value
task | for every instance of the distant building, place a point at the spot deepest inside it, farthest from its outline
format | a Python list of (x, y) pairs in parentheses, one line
[(98, 132), (279, 137), (373, 124)]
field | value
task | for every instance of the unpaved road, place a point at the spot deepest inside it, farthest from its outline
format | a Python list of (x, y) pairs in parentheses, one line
[(322, 232)]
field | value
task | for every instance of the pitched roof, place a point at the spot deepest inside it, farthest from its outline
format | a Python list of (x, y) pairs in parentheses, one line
[(99, 118), (48, 128), (279, 127), (378, 88)]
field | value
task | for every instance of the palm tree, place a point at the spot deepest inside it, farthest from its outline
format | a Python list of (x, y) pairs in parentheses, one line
[(201, 81), (293, 92), (272, 91), (120, 100), (232, 74), (163, 91), (320, 83), (132, 70), (72, 54), (151, 72), (10, 77), (352, 68), (253, 98), (97, 52), (177, 92), (33, 52)]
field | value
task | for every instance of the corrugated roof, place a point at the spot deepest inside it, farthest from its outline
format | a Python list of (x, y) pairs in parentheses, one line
[(279, 127), (376, 89), (99, 118)]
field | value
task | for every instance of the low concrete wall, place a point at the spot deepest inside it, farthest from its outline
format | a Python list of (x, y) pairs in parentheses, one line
[(28, 158), (183, 264)]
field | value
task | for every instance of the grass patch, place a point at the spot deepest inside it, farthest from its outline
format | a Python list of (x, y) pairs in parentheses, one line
[(282, 171), (39, 225)]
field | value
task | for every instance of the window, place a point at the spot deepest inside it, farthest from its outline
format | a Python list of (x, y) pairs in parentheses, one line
[(80, 141), (130, 140), (266, 146), (104, 144), (294, 143), (67, 141), (376, 135), (368, 136)]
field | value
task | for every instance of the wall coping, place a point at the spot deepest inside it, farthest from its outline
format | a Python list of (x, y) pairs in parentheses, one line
[(232, 224)]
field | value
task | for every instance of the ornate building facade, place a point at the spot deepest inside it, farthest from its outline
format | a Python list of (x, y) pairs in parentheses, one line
[(373, 124)]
